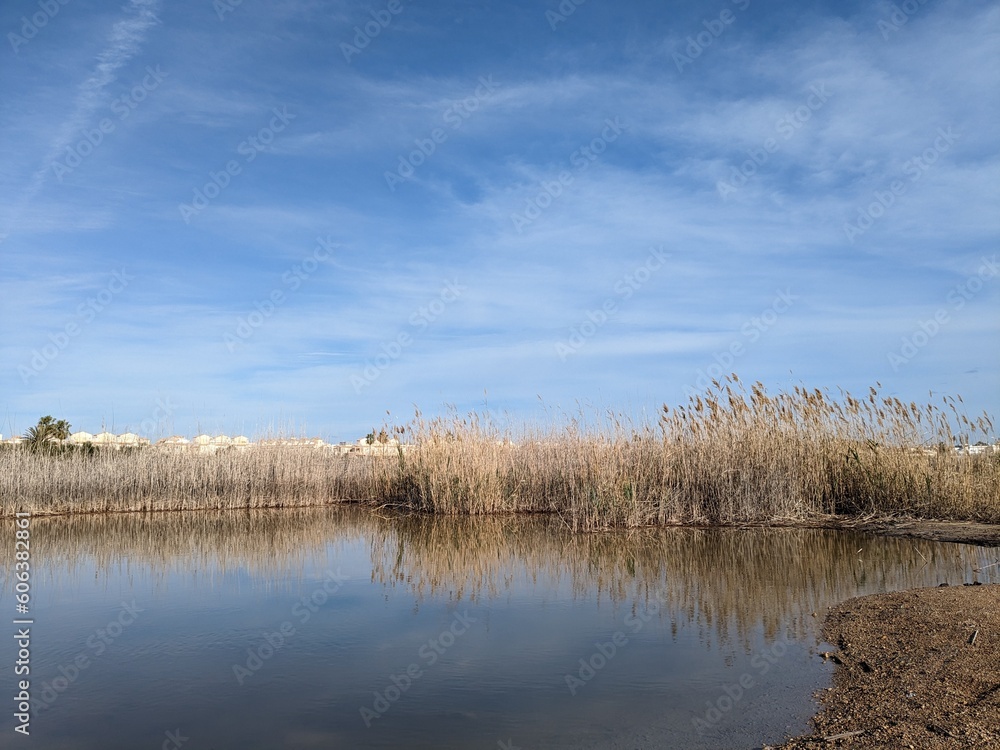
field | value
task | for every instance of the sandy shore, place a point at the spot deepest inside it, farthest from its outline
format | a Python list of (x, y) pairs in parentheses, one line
[(917, 669)]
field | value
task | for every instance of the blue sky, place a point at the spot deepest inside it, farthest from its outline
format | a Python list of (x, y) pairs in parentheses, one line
[(300, 215)]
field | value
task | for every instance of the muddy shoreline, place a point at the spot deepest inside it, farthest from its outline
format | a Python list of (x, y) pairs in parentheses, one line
[(917, 668)]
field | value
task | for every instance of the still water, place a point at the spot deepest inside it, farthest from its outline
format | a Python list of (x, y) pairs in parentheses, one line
[(339, 628)]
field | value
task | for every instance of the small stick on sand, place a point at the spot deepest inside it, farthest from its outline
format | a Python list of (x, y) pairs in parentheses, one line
[(844, 735)]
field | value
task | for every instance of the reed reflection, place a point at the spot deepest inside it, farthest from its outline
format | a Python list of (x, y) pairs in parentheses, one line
[(729, 583)]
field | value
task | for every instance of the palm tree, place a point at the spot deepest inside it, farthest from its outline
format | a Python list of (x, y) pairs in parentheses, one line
[(47, 431)]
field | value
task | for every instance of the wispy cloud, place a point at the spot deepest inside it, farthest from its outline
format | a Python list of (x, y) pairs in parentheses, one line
[(811, 163), (124, 42)]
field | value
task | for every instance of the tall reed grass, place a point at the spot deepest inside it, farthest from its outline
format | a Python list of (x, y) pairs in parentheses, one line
[(730, 455)]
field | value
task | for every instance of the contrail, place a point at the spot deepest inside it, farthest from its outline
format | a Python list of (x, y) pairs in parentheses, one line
[(126, 39)]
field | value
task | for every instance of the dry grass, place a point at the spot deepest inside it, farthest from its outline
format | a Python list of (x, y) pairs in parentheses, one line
[(146, 479), (728, 456)]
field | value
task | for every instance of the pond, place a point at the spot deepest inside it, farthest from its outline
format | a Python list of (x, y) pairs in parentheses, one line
[(341, 628)]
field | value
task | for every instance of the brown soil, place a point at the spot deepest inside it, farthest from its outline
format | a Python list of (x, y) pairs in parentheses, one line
[(917, 669)]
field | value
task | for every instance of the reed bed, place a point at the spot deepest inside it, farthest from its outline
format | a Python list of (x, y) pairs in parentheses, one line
[(732, 455), (150, 479)]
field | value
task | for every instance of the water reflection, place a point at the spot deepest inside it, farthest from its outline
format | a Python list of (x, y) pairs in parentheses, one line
[(528, 605), (730, 582)]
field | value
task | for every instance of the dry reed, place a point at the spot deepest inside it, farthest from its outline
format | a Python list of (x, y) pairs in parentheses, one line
[(729, 456)]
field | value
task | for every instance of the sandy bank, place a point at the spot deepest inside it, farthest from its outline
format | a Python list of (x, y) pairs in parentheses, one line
[(917, 669)]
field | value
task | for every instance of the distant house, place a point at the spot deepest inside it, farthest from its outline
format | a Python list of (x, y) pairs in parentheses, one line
[(130, 440), (203, 444), (313, 442), (980, 448), (174, 442), (241, 443), (208, 444), (389, 448)]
